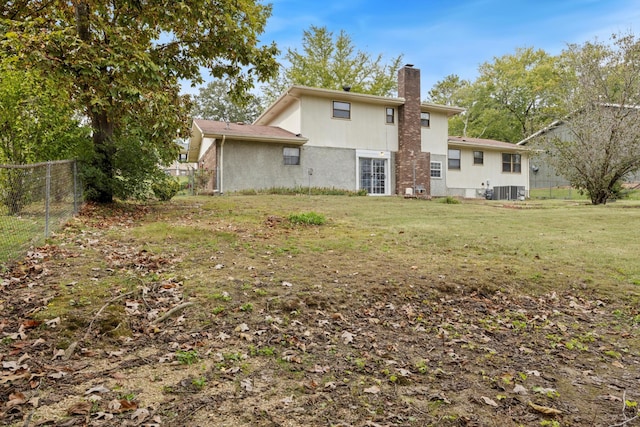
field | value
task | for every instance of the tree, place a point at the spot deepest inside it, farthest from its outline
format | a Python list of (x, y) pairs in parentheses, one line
[(601, 144), (332, 62), (524, 87), (215, 103), (37, 123), (514, 96), (124, 61)]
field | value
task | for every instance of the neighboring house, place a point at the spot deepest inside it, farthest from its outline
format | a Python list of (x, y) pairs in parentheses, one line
[(543, 175), (181, 167), (340, 139)]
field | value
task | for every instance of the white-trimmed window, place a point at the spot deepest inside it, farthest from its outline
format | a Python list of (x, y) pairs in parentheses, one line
[(391, 116), (436, 170), (291, 155), (511, 163), (341, 110), (478, 157), (454, 159), (425, 119)]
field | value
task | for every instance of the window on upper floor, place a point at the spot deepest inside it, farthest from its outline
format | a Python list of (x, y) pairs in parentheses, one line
[(511, 163), (183, 157), (425, 120), (291, 155), (341, 110), (454, 159), (390, 115), (436, 169), (478, 157)]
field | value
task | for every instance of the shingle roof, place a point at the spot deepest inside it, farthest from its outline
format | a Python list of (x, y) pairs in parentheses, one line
[(245, 131)]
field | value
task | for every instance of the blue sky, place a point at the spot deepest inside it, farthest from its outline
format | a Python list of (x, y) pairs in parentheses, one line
[(453, 37)]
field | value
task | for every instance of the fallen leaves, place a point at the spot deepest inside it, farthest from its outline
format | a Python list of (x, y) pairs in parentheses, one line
[(489, 401), (544, 409)]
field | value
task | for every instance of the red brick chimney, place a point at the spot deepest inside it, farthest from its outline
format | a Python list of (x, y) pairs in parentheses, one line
[(412, 164)]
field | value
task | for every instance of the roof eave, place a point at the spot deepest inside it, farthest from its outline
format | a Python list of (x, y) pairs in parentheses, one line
[(510, 147)]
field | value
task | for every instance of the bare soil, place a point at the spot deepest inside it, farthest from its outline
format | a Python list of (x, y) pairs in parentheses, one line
[(253, 329)]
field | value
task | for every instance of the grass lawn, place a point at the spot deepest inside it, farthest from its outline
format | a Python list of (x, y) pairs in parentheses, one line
[(225, 311)]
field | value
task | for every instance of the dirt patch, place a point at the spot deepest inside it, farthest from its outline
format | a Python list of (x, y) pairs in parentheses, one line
[(264, 330)]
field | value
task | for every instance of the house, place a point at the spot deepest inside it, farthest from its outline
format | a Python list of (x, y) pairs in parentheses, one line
[(475, 165), (341, 139), (180, 167)]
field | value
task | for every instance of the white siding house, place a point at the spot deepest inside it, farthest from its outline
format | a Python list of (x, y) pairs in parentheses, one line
[(346, 140)]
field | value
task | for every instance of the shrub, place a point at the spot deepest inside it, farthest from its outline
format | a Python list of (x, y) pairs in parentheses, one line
[(165, 188), (449, 200), (309, 218)]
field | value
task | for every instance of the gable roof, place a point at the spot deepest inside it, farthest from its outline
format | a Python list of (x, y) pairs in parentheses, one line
[(465, 141), (294, 92), (549, 128), (238, 132)]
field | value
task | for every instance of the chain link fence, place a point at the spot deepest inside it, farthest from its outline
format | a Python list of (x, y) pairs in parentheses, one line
[(35, 200)]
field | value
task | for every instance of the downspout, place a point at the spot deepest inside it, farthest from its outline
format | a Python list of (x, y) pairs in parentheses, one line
[(222, 164)]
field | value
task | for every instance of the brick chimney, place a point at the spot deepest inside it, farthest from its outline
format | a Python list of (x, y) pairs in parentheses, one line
[(412, 164)]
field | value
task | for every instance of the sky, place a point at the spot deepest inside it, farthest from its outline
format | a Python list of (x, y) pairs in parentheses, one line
[(443, 37)]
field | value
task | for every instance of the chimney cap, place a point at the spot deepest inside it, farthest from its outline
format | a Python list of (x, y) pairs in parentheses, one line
[(408, 65)]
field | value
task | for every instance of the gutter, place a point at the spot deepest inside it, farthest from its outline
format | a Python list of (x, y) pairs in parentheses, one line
[(222, 165)]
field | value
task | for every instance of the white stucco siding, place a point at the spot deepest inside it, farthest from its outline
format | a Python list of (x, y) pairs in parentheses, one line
[(366, 129), (434, 137), (469, 178)]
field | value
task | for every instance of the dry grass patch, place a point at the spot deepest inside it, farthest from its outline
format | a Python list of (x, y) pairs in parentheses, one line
[(392, 312)]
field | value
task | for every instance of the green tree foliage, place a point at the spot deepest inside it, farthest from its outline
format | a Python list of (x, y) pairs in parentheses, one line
[(37, 123), (124, 61), (214, 102), (332, 62), (524, 87), (601, 142), (37, 119), (514, 96)]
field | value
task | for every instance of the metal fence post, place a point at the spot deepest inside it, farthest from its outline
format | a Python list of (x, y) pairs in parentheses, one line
[(75, 187), (47, 200)]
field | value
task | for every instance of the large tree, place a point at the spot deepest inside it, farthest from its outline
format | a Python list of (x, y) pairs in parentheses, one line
[(332, 61), (125, 60), (513, 96), (214, 102), (601, 143)]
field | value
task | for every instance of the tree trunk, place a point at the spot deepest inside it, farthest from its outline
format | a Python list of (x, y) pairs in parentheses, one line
[(101, 188)]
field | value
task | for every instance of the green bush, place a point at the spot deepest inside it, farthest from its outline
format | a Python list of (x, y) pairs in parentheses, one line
[(449, 200), (165, 187), (309, 218)]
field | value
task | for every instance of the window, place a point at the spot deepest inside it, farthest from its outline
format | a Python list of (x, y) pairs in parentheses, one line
[(436, 169), (390, 115), (425, 119), (341, 110), (478, 157), (291, 155), (183, 157), (511, 163), (454, 159)]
